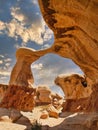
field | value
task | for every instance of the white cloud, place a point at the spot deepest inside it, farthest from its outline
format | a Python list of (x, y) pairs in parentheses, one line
[(37, 66), (7, 59), (2, 56), (7, 64), (26, 24), (5, 73), (1, 62), (2, 25)]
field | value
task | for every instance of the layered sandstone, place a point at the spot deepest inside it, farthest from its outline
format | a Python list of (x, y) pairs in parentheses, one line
[(43, 95), (74, 24), (19, 97), (21, 74), (75, 28), (3, 89), (74, 86)]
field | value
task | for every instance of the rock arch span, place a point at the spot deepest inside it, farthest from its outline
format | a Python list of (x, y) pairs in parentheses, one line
[(75, 28)]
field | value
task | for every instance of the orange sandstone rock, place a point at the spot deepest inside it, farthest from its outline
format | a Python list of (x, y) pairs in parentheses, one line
[(19, 97)]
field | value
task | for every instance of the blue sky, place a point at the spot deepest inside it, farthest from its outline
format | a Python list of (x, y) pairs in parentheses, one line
[(21, 25)]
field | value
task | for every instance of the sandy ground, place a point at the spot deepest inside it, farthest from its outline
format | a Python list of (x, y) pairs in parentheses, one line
[(36, 116)]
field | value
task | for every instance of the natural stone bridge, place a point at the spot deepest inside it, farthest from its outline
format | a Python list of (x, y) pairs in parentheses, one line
[(75, 27)]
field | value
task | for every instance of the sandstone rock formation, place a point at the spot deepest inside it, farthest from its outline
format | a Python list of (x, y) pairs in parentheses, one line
[(21, 74), (74, 86), (75, 27), (20, 98), (43, 95), (74, 24), (3, 89)]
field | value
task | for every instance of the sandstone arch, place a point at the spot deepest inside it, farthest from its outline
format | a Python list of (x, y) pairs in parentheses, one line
[(74, 23), (21, 74), (75, 28)]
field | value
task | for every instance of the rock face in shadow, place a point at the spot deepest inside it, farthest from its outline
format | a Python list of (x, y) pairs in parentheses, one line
[(74, 86), (75, 28), (13, 117), (18, 97)]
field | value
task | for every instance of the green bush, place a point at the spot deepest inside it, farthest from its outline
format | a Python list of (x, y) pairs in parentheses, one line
[(36, 126)]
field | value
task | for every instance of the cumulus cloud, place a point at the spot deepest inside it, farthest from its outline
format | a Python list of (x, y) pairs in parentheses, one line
[(38, 66), (1, 56), (8, 60), (52, 66), (4, 73), (1, 61), (26, 23)]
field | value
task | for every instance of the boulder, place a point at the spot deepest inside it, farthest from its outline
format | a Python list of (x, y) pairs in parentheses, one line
[(53, 112), (44, 115)]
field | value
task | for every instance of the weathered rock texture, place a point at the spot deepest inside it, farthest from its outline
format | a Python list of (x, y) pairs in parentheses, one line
[(43, 95), (21, 74), (3, 89), (75, 27), (74, 23), (20, 98), (74, 86)]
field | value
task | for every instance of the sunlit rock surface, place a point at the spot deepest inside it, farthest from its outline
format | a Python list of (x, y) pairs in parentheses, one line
[(75, 28), (21, 74), (74, 86), (74, 23), (19, 97), (43, 95)]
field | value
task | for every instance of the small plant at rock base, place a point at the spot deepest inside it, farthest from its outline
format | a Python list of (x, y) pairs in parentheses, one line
[(36, 126)]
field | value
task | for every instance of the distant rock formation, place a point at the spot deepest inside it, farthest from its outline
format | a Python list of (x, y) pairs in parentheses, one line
[(18, 97), (74, 86), (75, 26), (43, 95)]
